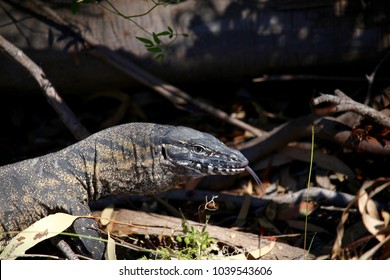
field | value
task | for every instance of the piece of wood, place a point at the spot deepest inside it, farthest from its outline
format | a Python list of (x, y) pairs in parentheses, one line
[(141, 223)]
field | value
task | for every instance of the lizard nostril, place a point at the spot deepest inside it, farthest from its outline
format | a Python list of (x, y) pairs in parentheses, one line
[(234, 158)]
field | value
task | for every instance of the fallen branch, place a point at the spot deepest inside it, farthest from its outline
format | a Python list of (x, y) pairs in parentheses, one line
[(345, 103), (158, 225), (323, 196), (320, 195), (327, 128), (278, 138), (54, 99)]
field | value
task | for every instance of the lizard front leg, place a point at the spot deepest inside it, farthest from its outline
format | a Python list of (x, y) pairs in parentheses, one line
[(87, 227)]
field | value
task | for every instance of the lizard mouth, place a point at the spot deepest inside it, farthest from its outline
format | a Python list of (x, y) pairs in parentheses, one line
[(224, 170), (217, 170), (233, 171)]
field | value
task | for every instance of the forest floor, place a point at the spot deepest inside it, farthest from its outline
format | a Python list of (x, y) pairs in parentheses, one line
[(334, 205)]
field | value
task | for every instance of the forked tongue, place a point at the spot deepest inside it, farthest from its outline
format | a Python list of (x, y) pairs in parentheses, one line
[(253, 174)]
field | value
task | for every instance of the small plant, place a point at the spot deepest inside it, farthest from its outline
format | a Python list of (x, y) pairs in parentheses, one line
[(155, 44), (197, 242), (194, 244)]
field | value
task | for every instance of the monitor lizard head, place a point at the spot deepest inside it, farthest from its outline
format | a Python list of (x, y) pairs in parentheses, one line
[(199, 153)]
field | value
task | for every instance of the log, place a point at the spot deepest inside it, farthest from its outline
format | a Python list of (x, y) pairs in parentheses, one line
[(140, 223)]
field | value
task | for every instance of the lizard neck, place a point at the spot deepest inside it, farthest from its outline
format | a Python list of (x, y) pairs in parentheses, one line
[(120, 163)]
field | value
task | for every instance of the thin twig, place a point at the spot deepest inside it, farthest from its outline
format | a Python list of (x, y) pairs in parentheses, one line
[(35, 256), (300, 77), (64, 248), (54, 99)]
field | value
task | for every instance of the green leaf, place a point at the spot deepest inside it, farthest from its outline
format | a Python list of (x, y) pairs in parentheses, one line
[(185, 35), (147, 42), (154, 49), (160, 57), (164, 33), (156, 39), (170, 29)]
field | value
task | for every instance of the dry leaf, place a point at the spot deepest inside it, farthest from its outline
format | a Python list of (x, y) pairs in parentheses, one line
[(255, 254), (110, 253), (41, 230), (370, 217), (106, 215), (336, 250), (369, 212)]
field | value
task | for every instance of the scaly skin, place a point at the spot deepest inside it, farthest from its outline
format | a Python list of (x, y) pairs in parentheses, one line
[(135, 158)]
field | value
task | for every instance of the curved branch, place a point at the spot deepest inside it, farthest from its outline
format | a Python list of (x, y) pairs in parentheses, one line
[(328, 128), (54, 99), (114, 10), (343, 103), (323, 196)]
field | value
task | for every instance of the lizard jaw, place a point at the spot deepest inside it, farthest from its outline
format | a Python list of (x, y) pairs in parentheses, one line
[(209, 169)]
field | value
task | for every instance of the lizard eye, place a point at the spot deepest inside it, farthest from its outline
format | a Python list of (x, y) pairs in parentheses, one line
[(198, 149)]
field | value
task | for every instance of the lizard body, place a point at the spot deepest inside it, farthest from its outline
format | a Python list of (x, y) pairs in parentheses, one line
[(134, 158)]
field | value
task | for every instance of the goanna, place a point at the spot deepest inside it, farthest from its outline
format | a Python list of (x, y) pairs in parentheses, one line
[(134, 158)]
